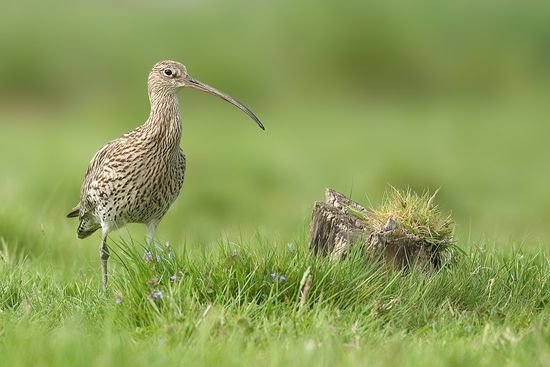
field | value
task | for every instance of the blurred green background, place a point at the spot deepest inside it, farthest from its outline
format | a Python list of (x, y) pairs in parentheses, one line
[(355, 95)]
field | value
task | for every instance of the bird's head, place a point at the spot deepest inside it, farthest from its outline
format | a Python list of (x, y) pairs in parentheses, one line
[(167, 77)]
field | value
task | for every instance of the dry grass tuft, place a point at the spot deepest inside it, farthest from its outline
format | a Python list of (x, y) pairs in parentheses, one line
[(417, 215)]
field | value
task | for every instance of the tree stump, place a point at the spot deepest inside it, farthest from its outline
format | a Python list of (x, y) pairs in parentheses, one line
[(340, 223)]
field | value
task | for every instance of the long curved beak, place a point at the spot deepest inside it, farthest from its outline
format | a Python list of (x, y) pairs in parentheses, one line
[(193, 83)]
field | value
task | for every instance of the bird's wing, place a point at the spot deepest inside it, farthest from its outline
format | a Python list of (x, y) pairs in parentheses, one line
[(99, 169), (94, 171)]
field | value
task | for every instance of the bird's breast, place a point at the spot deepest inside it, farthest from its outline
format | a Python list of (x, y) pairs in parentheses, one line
[(139, 185)]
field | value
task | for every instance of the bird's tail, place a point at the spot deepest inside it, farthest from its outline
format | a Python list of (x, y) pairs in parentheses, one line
[(75, 212), (86, 227)]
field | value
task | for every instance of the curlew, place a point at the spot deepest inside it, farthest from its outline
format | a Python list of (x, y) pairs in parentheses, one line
[(135, 178)]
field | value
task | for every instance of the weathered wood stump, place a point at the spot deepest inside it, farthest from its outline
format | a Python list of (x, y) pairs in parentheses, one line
[(340, 223)]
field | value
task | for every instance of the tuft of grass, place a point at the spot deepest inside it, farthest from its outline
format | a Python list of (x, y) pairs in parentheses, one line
[(417, 215)]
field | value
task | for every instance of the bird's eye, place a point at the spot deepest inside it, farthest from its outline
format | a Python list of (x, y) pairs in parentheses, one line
[(168, 72)]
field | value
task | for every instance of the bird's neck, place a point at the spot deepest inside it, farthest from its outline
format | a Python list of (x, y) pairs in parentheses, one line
[(164, 119)]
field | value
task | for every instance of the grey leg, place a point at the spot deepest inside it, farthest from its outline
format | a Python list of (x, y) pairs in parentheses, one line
[(104, 256), (151, 229)]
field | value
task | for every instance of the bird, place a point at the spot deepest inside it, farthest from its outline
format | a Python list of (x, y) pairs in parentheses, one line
[(136, 178)]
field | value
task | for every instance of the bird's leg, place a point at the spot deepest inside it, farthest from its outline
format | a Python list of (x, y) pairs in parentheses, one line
[(151, 229), (104, 256)]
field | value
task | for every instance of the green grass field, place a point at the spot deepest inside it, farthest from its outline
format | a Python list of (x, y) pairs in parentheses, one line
[(356, 97), (240, 306)]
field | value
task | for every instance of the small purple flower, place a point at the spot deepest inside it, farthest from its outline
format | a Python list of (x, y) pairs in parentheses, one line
[(156, 295), (158, 258), (280, 278), (177, 276), (148, 256)]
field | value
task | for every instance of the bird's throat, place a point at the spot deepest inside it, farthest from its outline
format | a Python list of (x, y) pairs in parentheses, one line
[(164, 119)]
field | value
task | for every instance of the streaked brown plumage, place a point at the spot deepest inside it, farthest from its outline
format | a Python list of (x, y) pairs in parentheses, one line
[(135, 178)]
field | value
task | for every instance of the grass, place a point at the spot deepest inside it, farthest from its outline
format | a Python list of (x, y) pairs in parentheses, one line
[(490, 307), (240, 305), (417, 216)]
